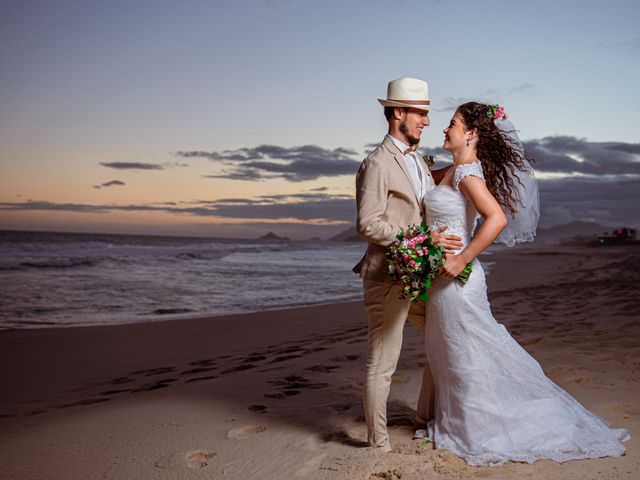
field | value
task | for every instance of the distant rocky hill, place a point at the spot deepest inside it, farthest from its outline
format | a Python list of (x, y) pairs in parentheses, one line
[(272, 237), (348, 235)]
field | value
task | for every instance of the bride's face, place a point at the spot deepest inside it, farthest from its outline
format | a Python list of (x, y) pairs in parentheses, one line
[(455, 135)]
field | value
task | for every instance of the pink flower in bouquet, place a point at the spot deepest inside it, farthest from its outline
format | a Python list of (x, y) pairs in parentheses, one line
[(414, 262)]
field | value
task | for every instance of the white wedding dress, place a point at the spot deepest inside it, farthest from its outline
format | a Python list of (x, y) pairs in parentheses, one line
[(493, 401)]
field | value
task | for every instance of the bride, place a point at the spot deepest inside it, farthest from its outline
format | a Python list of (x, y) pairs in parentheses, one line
[(493, 401)]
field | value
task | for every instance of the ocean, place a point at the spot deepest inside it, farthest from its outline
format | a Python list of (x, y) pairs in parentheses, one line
[(65, 279)]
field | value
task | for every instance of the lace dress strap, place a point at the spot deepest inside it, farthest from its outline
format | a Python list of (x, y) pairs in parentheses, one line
[(465, 170)]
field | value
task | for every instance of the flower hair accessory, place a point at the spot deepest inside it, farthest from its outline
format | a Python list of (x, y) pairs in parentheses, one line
[(496, 112)]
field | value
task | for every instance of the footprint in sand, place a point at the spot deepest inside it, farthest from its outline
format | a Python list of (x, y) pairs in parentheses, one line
[(201, 379), (283, 358), (121, 380), (116, 392), (196, 459), (322, 368), (244, 432), (341, 407), (292, 385), (204, 362), (86, 401), (164, 383), (345, 358), (239, 368), (254, 358), (198, 370), (154, 371)]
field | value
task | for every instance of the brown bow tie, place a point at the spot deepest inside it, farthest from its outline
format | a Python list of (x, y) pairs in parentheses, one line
[(411, 149)]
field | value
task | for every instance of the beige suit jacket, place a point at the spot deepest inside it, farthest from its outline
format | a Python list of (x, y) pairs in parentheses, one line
[(387, 202)]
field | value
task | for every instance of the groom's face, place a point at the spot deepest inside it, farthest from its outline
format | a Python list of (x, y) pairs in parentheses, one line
[(412, 123)]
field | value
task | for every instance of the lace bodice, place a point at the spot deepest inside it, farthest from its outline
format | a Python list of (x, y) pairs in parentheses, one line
[(445, 205)]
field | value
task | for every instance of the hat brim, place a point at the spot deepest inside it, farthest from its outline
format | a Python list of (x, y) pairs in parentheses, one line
[(391, 103)]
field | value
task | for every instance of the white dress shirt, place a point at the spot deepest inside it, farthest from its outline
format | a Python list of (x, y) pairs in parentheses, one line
[(421, 177)]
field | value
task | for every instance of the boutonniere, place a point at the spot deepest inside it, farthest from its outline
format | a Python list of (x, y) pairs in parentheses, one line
[(428, 159)]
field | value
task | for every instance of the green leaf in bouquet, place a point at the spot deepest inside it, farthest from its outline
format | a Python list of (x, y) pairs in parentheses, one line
[(424, 296), (463, 278)]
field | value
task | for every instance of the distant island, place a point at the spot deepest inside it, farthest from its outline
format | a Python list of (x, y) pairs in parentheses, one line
[(272, 237), (348, 235)]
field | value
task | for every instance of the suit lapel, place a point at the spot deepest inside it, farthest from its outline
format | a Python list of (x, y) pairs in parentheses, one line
[(399, 158)]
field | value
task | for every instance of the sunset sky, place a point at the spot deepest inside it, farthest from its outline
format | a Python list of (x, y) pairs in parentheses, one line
[(230, 118)]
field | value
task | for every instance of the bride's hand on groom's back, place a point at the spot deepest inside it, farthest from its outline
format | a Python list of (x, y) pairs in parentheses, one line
[(451, 243)]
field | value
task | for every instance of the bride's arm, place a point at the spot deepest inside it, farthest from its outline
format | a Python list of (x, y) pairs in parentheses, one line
[(494, 221)]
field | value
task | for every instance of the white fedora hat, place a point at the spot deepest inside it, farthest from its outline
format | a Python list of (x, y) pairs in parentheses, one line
[(407, 92)]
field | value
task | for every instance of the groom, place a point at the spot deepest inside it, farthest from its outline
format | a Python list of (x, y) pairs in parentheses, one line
[(390, 187)]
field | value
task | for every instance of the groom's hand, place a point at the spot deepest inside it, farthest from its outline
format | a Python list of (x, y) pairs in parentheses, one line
[(451, 243)]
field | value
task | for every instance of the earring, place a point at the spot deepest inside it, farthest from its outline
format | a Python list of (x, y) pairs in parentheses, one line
[(467, 142)]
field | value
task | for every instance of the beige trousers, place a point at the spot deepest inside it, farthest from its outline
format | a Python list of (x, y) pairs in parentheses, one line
[(387, 317)]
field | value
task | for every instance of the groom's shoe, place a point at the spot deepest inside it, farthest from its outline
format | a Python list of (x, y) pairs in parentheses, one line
[(385, 447)]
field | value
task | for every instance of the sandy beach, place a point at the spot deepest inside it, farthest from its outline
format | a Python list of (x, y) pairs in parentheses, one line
[(277, 394)]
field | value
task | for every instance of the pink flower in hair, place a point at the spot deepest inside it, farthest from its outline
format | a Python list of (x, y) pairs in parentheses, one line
[(496, 112)]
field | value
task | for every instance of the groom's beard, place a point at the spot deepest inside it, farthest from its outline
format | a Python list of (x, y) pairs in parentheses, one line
[(412, 139)]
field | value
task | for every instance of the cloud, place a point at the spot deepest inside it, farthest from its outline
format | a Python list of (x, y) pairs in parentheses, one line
[(582, 180), (302, 207), (296, 164), (132, 166), (524, 88), (563, 154), (632, 45), (112, 183), (571, 155), (312, 206), (579, 180), (32, 205), (239, 175), (449, 104)]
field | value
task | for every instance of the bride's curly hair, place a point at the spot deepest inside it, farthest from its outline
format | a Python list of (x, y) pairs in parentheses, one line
[(500, 160)]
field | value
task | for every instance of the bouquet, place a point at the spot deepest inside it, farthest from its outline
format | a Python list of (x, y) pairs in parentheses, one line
[(414, 262)]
